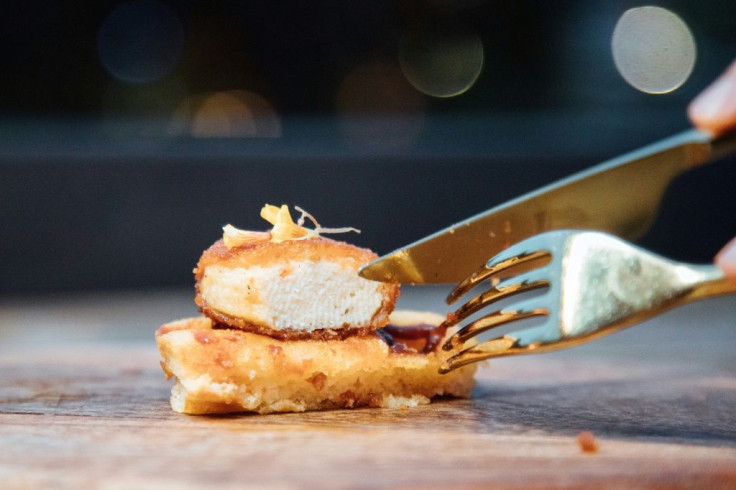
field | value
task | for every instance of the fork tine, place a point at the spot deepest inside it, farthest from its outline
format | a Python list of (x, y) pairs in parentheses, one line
[(511, 257), (497, 347), (522, 283), (520, 342), (530, 308), (493, 320), (476, 277), (536, 243)]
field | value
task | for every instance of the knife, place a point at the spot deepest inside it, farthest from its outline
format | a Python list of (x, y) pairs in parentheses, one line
[(620, 196)]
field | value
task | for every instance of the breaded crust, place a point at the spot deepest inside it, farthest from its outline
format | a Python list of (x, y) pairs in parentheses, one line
[(223, 320), (280, 255), (228, 370), (269, 253)]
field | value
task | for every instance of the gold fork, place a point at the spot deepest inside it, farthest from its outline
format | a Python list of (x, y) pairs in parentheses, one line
[(596, 284)]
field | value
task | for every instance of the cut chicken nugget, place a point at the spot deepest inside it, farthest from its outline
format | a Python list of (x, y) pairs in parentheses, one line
[(222, 370), (296, 289)]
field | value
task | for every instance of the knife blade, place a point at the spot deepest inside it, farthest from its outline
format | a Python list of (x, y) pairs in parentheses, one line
[(620, 196)]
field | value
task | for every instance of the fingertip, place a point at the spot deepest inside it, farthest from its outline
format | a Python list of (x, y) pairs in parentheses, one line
[(726, 259), (714, 109), (702, 121)]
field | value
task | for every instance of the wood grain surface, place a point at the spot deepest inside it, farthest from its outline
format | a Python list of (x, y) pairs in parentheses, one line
[(84, 404)]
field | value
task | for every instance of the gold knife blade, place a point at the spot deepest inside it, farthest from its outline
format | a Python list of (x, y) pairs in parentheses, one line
[(620, 196)]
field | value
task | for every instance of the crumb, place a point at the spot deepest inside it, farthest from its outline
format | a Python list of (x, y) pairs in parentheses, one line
[(587, 442)]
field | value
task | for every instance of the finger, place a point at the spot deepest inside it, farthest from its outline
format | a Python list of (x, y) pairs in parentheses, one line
[(726, 259), (714, 110)]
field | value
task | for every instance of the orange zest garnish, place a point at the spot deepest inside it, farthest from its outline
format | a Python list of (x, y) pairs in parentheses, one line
[(234, 237), (284, 228)]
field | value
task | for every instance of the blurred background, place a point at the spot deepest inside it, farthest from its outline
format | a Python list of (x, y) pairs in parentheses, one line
[(130, 132)]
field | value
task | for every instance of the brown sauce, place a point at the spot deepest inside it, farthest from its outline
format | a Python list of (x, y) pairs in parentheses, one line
[(421, 338)]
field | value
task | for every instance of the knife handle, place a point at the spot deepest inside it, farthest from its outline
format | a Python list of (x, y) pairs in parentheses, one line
[(723, 145)]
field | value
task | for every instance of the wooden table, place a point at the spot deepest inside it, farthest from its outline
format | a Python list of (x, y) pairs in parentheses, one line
[(84, 404)]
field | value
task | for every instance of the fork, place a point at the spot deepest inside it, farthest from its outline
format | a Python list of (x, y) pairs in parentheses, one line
[(596, 284)]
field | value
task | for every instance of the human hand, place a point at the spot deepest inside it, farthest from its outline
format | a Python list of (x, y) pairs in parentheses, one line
[(726, 259), (714, 110)]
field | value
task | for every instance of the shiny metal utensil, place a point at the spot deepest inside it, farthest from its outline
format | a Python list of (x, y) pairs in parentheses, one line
[(596, 284), (620, 196)]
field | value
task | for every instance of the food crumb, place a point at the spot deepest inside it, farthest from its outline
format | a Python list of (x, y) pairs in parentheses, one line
[(587, 442)]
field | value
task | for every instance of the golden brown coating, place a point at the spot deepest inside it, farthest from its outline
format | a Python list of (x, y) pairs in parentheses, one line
[(269, 253), (229, 370), (297, 289)]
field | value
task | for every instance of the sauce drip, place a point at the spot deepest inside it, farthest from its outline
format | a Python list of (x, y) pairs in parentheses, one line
[(421, 338)]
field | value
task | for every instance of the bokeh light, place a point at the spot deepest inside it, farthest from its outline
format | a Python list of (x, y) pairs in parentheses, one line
[(653, 49), (378, 109), (140, 41), (228, 114), (441, 60)]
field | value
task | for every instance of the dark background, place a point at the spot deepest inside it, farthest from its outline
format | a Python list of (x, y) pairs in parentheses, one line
[(105, 181)]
